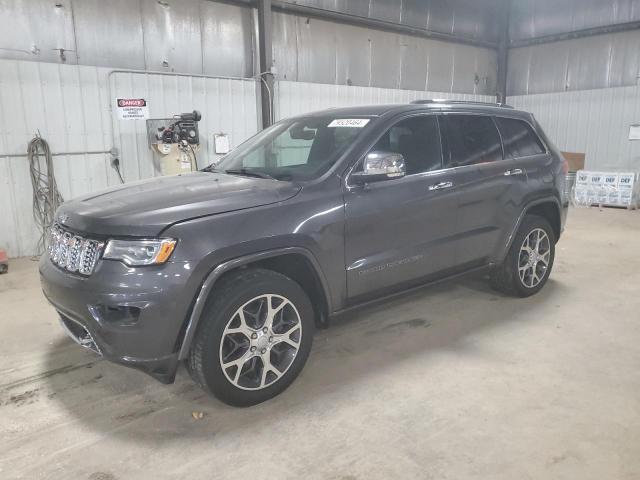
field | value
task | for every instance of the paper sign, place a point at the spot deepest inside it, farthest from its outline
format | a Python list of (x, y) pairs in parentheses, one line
[(634, 132), (349, 122), (132, 108), (222, 145)]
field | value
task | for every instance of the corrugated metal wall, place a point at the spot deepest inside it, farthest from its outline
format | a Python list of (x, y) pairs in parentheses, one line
[(600, 61), (468, 18), (187, 36), (71, 107), (311, 50), (609, 60), (595, 122), (538, 18), (295, 98), (212, 38)]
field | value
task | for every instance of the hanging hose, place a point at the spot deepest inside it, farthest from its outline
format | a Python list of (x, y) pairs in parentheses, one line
[(46, 197)]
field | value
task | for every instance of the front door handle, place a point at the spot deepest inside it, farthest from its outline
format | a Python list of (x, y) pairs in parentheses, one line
[(441, 186), (514, 171)]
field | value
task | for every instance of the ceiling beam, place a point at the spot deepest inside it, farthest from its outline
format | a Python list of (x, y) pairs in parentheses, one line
[(587, 32)]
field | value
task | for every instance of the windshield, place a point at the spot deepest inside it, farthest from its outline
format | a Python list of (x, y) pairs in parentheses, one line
[(294, 149)]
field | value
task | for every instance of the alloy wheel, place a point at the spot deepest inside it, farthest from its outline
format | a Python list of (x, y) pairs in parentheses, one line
[(260, 342), (534, 258)]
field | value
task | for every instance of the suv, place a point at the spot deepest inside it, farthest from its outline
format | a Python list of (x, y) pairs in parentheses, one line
[(231, 268)]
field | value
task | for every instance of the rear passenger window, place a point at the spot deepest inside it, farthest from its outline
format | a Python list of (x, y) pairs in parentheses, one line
[(471, 139), (518, 138)]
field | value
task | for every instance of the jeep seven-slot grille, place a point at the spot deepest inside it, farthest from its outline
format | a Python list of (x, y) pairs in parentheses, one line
[(72, 252)]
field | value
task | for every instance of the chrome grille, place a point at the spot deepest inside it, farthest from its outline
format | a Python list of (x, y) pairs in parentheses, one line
[(73, 252)]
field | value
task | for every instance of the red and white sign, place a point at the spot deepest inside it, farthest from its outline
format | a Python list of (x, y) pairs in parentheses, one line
[(132, 108)]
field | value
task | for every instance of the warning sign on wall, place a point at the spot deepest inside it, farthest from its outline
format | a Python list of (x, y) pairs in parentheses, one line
[(132, 108)]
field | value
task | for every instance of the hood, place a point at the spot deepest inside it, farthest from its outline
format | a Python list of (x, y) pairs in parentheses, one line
[(145, 208)]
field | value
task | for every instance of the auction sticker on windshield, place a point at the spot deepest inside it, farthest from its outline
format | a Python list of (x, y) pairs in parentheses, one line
[(349, 122)]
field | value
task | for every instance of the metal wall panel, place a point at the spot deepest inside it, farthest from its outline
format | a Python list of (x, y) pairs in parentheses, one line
[(317, 50), (36, 30), (594, 62), (312, 50), (109, 34), (186, 36), (285, 46), (172, 39), (469, 18), (387, 10), (296, 98), (71, 107), (353, 66), (353, 7), (595, 122), (546, 17), (227, 39), (386, 59)]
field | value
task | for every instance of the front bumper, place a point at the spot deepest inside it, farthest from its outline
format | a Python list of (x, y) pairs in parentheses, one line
[(131, 316)]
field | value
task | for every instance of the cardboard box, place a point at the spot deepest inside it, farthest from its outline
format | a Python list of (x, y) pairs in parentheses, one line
[(576, 160)]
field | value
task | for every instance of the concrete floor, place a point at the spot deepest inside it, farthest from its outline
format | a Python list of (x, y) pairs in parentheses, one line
[(452, 382)]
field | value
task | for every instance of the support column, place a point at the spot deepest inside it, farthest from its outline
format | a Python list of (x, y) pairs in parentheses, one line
[(265, 23), (503, 52)]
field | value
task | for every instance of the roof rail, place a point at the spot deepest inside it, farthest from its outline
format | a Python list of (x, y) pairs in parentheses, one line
[(459, 102)]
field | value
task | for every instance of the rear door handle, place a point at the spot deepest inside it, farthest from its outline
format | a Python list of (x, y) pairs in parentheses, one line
[(514, 171), (441, 186)]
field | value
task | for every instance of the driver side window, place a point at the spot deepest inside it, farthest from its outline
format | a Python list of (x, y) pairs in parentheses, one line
[(417, 139)]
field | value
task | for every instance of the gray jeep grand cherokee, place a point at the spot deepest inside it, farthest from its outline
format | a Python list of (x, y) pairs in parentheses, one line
[(230, 268)]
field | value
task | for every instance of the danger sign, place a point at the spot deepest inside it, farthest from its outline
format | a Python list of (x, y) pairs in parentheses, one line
[(132, 108)]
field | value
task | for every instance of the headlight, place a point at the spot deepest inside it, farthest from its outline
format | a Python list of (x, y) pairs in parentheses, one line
[(140, 252)]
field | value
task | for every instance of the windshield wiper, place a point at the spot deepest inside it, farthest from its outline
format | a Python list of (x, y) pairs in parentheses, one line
[(211, 168), (249, 173)]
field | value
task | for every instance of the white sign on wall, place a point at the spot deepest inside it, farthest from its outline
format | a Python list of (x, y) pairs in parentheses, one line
[(132, 108), (221, 143), (634, 132)]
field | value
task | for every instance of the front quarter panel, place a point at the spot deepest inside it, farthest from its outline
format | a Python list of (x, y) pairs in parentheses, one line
[(313, 220)]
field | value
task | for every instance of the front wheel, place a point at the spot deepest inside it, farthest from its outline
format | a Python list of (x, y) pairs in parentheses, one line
[(528, 264), (255, 337)]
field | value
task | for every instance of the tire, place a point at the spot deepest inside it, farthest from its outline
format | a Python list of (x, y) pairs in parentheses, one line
[(224, 342), (507, 278)]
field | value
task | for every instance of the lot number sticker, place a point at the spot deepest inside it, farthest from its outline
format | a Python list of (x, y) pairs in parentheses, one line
[(349, 122)]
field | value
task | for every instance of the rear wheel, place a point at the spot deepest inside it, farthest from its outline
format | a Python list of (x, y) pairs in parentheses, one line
[(254, 339), (528, 264)]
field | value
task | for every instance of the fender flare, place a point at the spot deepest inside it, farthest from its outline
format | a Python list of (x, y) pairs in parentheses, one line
[(527, 207), (215, 274)]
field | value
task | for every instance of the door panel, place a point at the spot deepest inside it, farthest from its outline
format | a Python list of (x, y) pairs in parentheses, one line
[(399, 231), (485, 192), (486, 209)]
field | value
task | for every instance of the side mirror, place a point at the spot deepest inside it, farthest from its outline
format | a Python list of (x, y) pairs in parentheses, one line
[(380, 166)]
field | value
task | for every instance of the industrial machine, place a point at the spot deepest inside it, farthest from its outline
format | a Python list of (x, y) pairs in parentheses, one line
[(175, 142)]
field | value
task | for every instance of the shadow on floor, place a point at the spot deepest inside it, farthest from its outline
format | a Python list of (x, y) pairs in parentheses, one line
[(114, 400)]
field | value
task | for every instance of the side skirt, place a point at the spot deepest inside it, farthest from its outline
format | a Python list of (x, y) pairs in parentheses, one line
[(407, 291)]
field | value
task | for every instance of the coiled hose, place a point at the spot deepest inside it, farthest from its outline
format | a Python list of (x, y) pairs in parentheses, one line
[(46, 197)]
